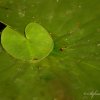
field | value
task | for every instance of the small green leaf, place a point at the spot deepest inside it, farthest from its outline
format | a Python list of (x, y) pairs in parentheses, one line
[(34, 46)]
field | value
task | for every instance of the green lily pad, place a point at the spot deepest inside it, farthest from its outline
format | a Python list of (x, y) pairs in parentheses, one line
[(34, 46)]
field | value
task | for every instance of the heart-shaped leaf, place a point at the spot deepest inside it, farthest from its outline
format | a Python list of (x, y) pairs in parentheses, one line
[(34, 46)]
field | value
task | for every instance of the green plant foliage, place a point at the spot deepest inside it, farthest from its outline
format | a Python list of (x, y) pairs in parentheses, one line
[(73, 67), (35, 46)]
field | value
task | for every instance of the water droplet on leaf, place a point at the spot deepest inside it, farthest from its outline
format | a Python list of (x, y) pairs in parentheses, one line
[(98, 45)]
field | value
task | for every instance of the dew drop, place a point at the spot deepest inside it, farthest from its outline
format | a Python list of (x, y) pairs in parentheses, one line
[(21, 13), (33, 5), (19, 69), (7, 15), (71, 32), (68, 12), (35, 98), (57, 1), (24, 0), (83, 57), (66, 39), (50, 18), (88, 40), (98, 45), (10, 1), (79, 6), (33, 17), (55, 99), (50, 33), (17, 80), (98, 30)]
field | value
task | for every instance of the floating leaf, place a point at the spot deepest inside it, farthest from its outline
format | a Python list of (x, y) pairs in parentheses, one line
[(34, 46)]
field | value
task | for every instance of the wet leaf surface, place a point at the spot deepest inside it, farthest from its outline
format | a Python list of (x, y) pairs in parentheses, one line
[(72, 69)]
